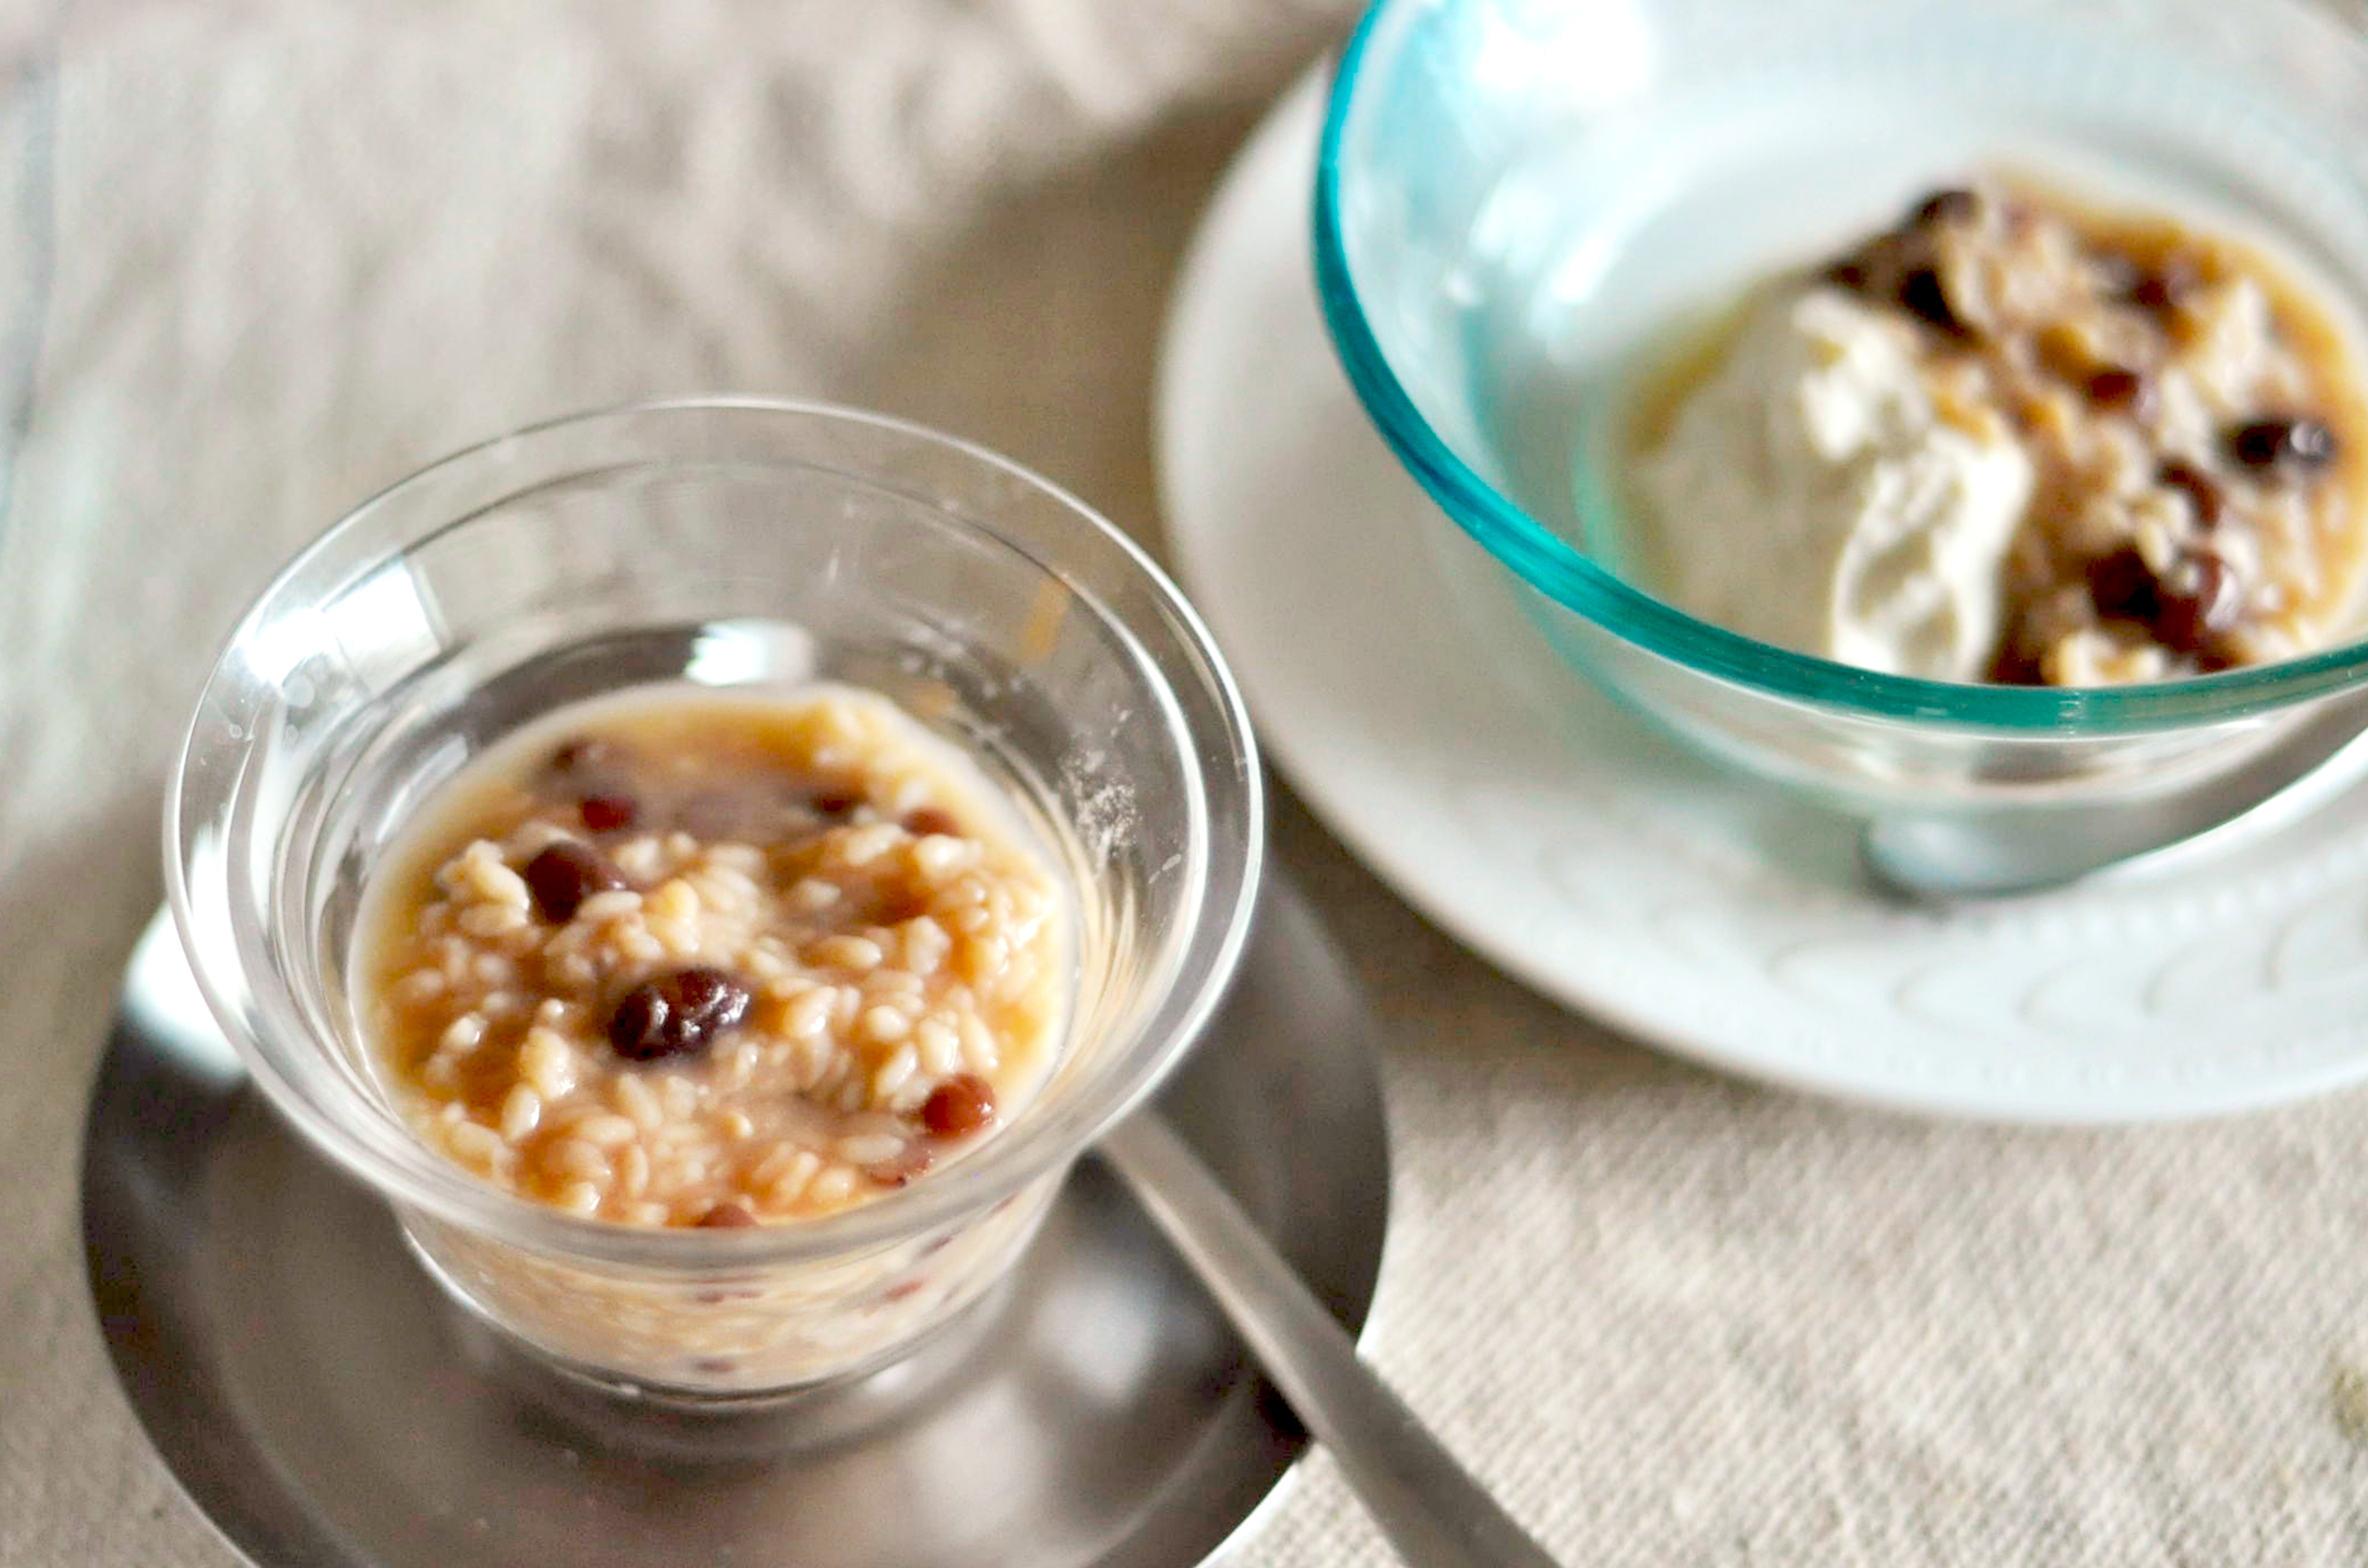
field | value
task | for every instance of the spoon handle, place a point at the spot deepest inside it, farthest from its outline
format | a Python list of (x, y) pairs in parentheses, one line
[(1434, 1512)]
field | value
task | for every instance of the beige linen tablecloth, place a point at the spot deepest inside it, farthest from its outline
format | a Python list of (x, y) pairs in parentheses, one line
[(261, 257)]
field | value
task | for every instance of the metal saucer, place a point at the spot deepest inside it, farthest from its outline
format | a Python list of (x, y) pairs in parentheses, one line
[(322, 1404)]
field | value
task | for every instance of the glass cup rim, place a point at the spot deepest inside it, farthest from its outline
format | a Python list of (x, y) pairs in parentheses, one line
[(1547, 562), (406, 1171)]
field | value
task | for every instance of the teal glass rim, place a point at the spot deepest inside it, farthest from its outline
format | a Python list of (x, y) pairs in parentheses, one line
[(1549, 563)]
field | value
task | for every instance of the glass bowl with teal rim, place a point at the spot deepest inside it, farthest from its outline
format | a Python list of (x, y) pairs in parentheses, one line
[(1518, 201)]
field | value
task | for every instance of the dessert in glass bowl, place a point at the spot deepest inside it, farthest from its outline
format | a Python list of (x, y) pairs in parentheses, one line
[(1519, 206), (711, 867), (2021, 439)]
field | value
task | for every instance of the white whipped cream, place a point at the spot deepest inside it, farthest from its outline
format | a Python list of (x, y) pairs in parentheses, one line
[(1808, 496)]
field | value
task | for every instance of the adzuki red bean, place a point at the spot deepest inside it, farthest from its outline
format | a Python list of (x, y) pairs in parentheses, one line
[(608, 813), (2302, 444), (676, 1013), (728, 1217), (930, 820), (958, 1106), (563, 875)]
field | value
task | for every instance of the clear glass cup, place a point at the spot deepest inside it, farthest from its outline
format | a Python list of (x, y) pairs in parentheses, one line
[(724, 544), (1511, 190)]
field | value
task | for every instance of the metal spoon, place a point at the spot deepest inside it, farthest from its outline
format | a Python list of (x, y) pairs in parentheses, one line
[(2032, 849), (1434, 1512)]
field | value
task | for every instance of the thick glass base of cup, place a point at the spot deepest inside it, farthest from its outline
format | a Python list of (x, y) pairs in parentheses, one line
[(726, 1336), (675, 1426)]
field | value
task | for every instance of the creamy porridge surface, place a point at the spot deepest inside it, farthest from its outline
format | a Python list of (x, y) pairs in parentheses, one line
[(2018, 439), (692, 958)]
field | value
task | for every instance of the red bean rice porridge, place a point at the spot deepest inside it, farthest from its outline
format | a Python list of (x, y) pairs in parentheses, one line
[(698, 959)]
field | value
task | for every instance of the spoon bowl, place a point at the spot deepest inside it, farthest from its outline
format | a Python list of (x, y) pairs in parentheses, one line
[(2032, 849)]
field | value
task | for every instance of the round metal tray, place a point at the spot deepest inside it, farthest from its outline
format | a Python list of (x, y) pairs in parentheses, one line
[(323, 1404)]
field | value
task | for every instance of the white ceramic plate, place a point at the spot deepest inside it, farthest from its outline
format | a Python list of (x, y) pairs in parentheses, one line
[(1421, 718)]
